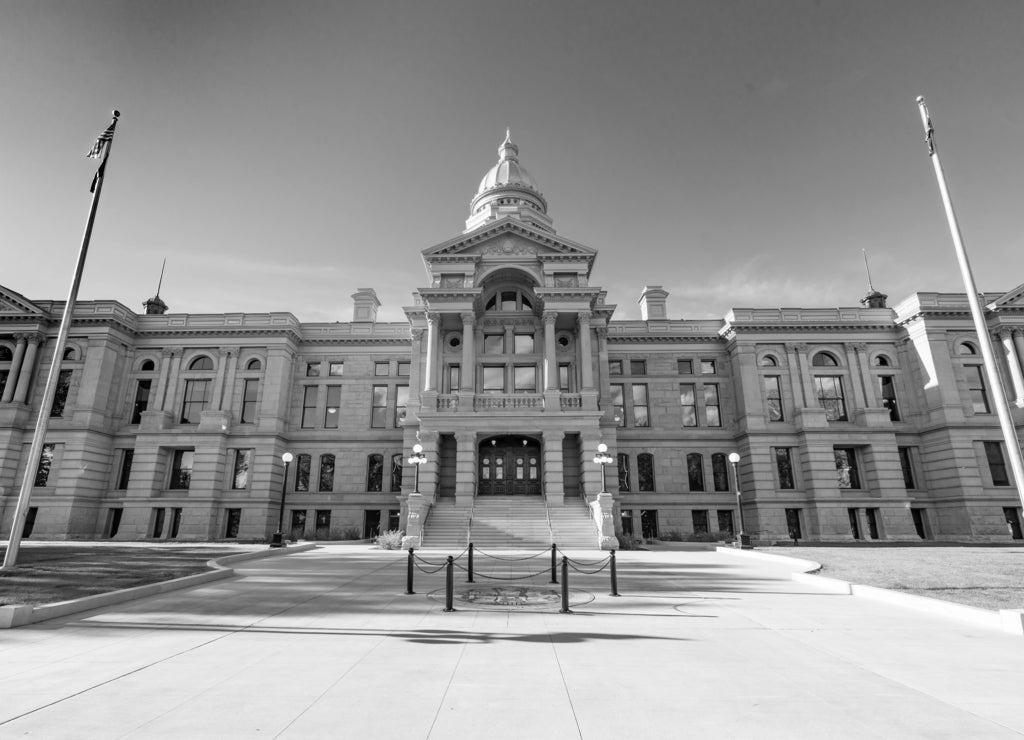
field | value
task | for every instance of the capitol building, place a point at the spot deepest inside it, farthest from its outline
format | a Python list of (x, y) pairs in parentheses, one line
[(865, 422)]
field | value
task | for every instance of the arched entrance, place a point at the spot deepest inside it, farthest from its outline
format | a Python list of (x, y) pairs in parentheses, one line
[(509, 466)]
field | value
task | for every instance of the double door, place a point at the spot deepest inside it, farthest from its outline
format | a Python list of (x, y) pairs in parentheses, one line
[(509, 469)]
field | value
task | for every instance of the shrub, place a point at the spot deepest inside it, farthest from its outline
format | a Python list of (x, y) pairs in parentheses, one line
[(702, 537), (351, 533), (672, 535), (389, 540)]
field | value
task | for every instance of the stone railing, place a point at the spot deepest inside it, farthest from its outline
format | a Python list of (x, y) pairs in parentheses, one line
[(571, 401), (508, 402), (447, 401)]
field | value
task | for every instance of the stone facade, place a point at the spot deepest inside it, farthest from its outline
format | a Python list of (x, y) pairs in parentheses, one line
[(861, 422)]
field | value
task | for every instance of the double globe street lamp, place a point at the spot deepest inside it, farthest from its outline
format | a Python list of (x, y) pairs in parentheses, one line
[(278, 538), (416, 459), (734, 458), (602, 458)]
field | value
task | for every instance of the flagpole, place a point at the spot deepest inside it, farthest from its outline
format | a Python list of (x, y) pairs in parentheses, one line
[(987, 353), (50, 391)]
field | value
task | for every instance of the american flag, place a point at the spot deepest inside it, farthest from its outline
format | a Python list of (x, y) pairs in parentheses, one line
[(102, 141)]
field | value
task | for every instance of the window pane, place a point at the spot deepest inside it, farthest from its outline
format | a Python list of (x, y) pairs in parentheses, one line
[(773, 398), (638, 367), (45, 463), (615, 367), (523, 344), (250, 391), (707, 367), (688, 402), (401, 401), (996, 464), (494, 344), (336, 368), (494, 379), (623, 461), (332, 412), (695, 471), (381, 368), (685, 367), (830, 397), (312, 369), (508, 300), (525, 378), (326, 473), (784, 467), (907, 467), (309, 396), (302, 465), (645, 471), (846, 468), (720, 471), (403, 369), (374, 472), (197, 394), (61, 397), (243, 462)]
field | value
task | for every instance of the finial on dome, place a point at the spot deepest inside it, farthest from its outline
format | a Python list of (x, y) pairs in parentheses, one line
[(508, 150)]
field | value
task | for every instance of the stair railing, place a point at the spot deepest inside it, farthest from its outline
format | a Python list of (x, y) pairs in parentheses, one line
[(551, 530)]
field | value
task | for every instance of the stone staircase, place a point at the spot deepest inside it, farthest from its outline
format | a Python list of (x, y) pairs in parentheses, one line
[(572, 525), (446, 527), (510, 523)]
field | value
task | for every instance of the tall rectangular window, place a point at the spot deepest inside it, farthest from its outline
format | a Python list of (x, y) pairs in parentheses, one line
[(454, 379), (688, 402), (618, 404), (309, 398), (142, 390), (332, 411), (641, 409), (181, 469), (564, 376), (396, 473), (124, 474), (700, 520), (45, 464), (720, 471), (197, 396), (379, 407), (401, 402), (494, 378), (976, 388), (996, 463), (232, 522), (773, 397), (326, 473), (374, 472), (60, 398), (846, 467), (711, 405), (695, 471), (906, 465), (302, 465), (784, 467), (250, 391), (887, 387), (243, 463), (4, 374), (623, 466), (830, 396), (645, 471), (525, 378)]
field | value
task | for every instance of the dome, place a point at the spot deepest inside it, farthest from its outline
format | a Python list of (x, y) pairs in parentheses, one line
[(508, 190), (507, 171)]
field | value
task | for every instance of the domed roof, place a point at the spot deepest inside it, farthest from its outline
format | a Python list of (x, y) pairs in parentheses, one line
[(507, 171)]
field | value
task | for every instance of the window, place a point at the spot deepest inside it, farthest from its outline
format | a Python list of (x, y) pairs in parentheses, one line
[(142, 390), (564, 378), (645, 471), (522, 344), (69, 354), (396, 473), (525, 379), (615, 367), (494, 378), (773, 397), (379, 407), (846, 467), (623, 466), (232, 521), (254, 365), (381, 369), (725, 523), (157, 528), (700, 520), (769, 361), (326, 473), (401, 402), (181, 469), (250, 391), (394, 519), (796, 532), (45, 464), (403, 369), (454, 378), (60, 397), (332, 411), (494, 344), (824, 359), (126, 469), (243, 463), (711, 410), (638, 367), (147, 366), (688, 402), (685, 367), (309, 397), (707, 367), (996, 463), (4, 374), (649, 524), (197, 396), (302, 465), (641, 411), (175, 522), (906, 465), (967, 349), (618, 405), (976, 388), (201, 363), (312, 369), (374, 472), (720, 471), (881, 361), (784, 467), (322, 524), (830, 396), (888, 391), (695, 471), (854, 516), (336, 369)]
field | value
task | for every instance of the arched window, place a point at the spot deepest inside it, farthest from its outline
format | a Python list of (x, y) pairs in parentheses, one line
[(508, 301), (396, 473), (326, 473), (5, 354), (966, 348), (623, 460), (302, 463), (374, 472), (824, 359), (254, 365), (882, 361), (695, 471), (769, 361), (645, 471), (147, 366), (720, 471), (201, 363), (69, 354)]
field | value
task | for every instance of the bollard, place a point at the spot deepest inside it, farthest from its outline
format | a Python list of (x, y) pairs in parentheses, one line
[(408, 574), (615, 576), (565, 587), (470, 578), (449, 585), (554, 571)]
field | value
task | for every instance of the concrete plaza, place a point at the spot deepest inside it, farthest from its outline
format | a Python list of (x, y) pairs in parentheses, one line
[(326, 643)]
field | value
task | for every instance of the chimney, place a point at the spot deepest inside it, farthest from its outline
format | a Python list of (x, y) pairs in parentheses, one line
[(653, 303), (366, 305)]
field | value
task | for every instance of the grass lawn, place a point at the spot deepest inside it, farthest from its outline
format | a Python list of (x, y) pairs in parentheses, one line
[(986, 577), (48, 572)]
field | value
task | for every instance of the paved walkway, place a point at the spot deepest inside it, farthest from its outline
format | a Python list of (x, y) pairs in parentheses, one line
[(325, 644)]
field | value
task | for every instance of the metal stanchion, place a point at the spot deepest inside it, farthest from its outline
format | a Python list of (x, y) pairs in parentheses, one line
[(449, 585), (615, 575), (554, 567), (408, 574), (565, 587), (470, 578)]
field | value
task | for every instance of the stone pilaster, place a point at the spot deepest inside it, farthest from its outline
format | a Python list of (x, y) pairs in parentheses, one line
[(16, 362), (554, 483)]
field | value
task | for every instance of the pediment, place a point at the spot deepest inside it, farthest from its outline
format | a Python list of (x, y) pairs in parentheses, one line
[(509, 237), (17, 304), (1011, 299)]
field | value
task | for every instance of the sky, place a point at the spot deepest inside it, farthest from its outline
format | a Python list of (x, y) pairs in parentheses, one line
[(283, 155)]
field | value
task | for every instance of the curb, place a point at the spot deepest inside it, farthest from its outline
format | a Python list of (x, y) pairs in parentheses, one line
[(1005, 620), (18, 615)]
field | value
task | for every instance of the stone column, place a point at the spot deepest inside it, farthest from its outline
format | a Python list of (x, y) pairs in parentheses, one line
[(796, 373), (415, 370), (870, 388), (465, 468), (12, 377), (27, 368), (550, 358), (856, 378), (430, 370), (554, 483), (1012, 361), (224, 354), (161, 384), (172, 386), (230, 380), (1018, 342), (466, 373), (586, 352)]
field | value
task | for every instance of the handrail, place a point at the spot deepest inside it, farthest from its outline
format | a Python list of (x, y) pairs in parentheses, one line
[(547, 513)]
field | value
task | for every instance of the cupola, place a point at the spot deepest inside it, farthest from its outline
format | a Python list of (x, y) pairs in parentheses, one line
[(508, 190)]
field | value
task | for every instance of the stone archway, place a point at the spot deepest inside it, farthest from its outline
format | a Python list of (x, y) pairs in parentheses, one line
[(509, 465)]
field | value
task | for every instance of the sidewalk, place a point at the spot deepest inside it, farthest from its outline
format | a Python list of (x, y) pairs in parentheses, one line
[(326, 644)]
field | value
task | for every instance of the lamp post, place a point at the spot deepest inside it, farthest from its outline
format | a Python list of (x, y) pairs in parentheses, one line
[(416, 459), (602, 458), (278, 538), (734, 458)]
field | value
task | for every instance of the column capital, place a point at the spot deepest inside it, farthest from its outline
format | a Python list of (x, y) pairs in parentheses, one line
[(857, 346), (432, 317), (468, 318), (796, 347), (169, 352), (550, 317), (417, 334), (32, 337), (602, 332), (1004, 333), (583, 317), (227, 351)]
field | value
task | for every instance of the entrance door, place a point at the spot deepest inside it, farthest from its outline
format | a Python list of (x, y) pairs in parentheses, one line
[(508, 467)]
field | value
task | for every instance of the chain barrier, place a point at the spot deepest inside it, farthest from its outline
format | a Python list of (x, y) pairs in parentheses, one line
[(509, 560)]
